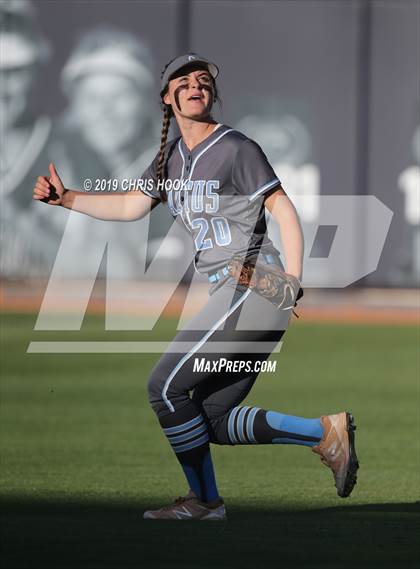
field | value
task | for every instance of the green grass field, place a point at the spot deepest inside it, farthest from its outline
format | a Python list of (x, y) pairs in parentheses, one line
[(82, 455)]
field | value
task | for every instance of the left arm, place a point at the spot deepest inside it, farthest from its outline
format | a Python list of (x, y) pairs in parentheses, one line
[(284, 213)]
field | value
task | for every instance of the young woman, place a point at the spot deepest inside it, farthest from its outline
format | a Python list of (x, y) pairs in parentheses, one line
[(228, 184)]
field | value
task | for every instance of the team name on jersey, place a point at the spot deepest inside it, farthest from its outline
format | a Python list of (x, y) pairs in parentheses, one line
[(194, 196), (200, 197)]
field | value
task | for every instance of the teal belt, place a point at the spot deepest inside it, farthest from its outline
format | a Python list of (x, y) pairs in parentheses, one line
[(216, 276)]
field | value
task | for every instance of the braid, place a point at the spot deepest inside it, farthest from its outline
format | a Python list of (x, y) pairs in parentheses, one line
[(167, 115)]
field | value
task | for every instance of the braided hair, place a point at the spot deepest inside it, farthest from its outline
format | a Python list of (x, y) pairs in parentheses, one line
[(166, 123)]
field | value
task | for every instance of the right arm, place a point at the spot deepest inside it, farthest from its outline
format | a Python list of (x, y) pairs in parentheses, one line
[(127, 206)]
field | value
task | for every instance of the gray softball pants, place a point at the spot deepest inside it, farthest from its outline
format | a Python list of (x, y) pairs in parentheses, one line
[(236, 324)]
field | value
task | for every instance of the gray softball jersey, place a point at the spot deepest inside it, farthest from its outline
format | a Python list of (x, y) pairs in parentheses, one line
[(216, 190)]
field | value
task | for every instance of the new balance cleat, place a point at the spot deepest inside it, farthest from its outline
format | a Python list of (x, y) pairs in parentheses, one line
[(189, 508), (337, 451)]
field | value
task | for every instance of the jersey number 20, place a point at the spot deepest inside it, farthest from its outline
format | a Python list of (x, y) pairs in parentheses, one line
[(220, 228)]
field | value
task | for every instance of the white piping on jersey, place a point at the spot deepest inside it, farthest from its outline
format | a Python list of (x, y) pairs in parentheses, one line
[(264, 188), (182, 179), (198, 346), (205, 150), (182, 156), (192, 169)]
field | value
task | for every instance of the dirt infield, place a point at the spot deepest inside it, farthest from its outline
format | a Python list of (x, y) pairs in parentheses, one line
[(352, 305)]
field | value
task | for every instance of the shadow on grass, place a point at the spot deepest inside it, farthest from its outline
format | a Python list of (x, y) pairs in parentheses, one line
[(88, 535)]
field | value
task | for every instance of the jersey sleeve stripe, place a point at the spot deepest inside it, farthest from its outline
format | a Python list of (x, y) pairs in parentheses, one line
[(264, 188)]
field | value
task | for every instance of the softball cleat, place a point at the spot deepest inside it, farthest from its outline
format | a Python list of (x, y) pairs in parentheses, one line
[(189, 508), (337, 451)]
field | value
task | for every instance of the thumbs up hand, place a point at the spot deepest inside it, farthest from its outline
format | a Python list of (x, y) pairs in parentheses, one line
[(49, 189)]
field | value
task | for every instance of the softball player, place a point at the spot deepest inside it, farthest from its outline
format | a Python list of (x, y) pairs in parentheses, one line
[(227, 186)]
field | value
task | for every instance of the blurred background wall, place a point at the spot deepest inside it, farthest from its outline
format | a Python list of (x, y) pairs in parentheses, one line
[(329, 89)]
